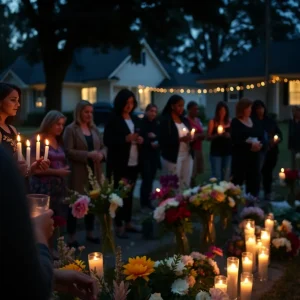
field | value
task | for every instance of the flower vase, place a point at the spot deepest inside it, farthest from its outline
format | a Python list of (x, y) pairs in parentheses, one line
[(182, 243), (209, 232), (107, 236)]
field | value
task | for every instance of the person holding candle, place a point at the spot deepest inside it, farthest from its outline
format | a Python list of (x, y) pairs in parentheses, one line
[(84, 147), (175, 141), (220, 148), (273, 137), (199, 136), (248, 140), (150, 160), (123, 141)]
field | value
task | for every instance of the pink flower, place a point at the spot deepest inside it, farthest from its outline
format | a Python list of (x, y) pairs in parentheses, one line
[(217, 251), (81, 207)]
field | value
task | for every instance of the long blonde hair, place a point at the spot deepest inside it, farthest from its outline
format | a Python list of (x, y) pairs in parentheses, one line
[(49, 120), (77, 112)]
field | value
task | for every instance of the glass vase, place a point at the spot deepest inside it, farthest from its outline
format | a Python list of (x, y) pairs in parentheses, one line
[(182, 243), (107, 236), (208, 237)]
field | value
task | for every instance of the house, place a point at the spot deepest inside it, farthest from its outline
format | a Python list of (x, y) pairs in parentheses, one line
[(96, 76), (244, 76)]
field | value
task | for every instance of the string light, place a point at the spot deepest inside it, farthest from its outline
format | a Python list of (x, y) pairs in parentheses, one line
[(249, 86)]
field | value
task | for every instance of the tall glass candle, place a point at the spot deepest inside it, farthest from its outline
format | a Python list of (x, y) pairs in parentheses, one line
[(249, 229), (269, 224), (19, 148), (265, 238), (246, 286), (193, 133), (38, 148), (263, 262), (46, 150), (28, 153), (247, 262), (232, 277), (251, 247), (221, 283), (96, 263), (282, 177)]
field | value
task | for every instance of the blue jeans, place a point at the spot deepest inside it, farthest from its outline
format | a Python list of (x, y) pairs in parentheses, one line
[(220, 167)]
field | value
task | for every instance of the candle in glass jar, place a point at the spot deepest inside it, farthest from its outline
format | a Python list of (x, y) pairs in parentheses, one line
[(46, 150), (220, 129), (193, 133), (28, 153), (265, 238), (263, 262), (221, 283), (232, 277), (19, 148), (249, 229), (251, 247), (96, 263), (246, 285), (247, 262), (269, 224), (38, 148)]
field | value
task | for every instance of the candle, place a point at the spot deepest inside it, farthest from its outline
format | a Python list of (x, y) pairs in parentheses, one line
[(251, 247), (247, 262), (249, 229), (269, 224), (246, 285), (263, 261), (232, 277), (38, 148), (96, 263), (265, 238), (19, 148), (28, 153), (221, 283), (184, 131), (193, 133), (276, 138), (38, 204), (220, 129), (157, 190), (46, 150)]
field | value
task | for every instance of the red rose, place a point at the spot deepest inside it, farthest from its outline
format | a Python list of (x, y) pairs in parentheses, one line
[(295, 242), (291, 174), (177, 213)]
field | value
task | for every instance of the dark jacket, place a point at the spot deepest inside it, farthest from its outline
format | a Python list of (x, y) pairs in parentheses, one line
[(118, 150), (169, 138)]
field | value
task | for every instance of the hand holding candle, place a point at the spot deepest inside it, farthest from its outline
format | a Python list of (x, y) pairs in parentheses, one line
[(38, 148), (193, 133), (28, 153), (19, 148), (220, 129), (276, 138), (46, 150)]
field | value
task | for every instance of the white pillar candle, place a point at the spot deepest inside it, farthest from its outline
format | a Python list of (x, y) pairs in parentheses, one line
[(46, 150), (96, 263), (249, 229), (282, 176), (19, 148), (265, 238), (232, 277), (251, 247), (28, 153), (221, 283), (38, 148), (247, 262), (246, 286), (184, 131), (269, 225), (263, 262), (193, 133), (220, 129)]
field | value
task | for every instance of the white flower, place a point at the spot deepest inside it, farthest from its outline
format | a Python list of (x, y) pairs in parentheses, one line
[(114, 198), (231, 202), (195, 190), (187, 193), (158, 263), (287, 225), (217, 294), (191, 281), (226, 185), (172, 202), (159, 214), (214, 265), (178, 269), (218, 188), (203, 296), (282, 242), (187, 260), (112, 209), (180, 287), (197, 255), (213, 179), (156, 296)]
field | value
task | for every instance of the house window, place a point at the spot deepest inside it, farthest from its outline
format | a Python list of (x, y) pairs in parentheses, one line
[(294, 92), (144, 98), (89, 94), (39, 99), (232, 94)]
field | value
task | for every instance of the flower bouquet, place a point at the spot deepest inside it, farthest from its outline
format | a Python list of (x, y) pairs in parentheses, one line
[(215, 198), (101, 199), (174, 215), (169, 185), (281, 248)]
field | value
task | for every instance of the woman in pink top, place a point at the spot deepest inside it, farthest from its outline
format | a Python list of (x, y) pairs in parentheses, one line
[(193, 112)]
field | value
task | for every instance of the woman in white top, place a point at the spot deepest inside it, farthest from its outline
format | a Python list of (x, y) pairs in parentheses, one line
[(175, 141), (121, 136)]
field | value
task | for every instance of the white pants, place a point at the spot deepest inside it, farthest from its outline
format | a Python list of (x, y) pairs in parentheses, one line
[(183, 169)]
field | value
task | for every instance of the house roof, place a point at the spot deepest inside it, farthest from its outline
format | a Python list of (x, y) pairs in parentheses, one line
[(91, 64), (284, 60)]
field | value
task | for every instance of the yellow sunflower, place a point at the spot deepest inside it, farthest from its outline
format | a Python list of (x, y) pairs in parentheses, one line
[(78, 265), (139, 267)]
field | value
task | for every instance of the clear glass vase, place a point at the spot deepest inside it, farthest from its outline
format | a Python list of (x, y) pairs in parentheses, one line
[(208, 234), (182, 243), (107, 235)]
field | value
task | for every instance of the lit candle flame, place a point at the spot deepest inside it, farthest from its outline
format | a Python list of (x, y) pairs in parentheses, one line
[(193, 130), (246, 280), (157, 190), (247, 259), (27, 143), (282, 170), (184, 129), (38, 138), (275, 137), (18, 138), (221, 281), (47, 143)]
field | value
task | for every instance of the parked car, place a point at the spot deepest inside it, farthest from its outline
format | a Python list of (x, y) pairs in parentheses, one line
[(103, 110)]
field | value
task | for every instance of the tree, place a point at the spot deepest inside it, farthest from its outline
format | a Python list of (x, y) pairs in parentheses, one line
[(55, 28)]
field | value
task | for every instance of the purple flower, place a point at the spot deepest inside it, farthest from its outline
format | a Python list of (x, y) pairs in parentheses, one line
[(169, 181)]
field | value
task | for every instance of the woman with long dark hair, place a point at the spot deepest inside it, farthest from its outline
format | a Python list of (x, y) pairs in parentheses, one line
[(273, 136), (221, 145), (174, 140), (122, 139)]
